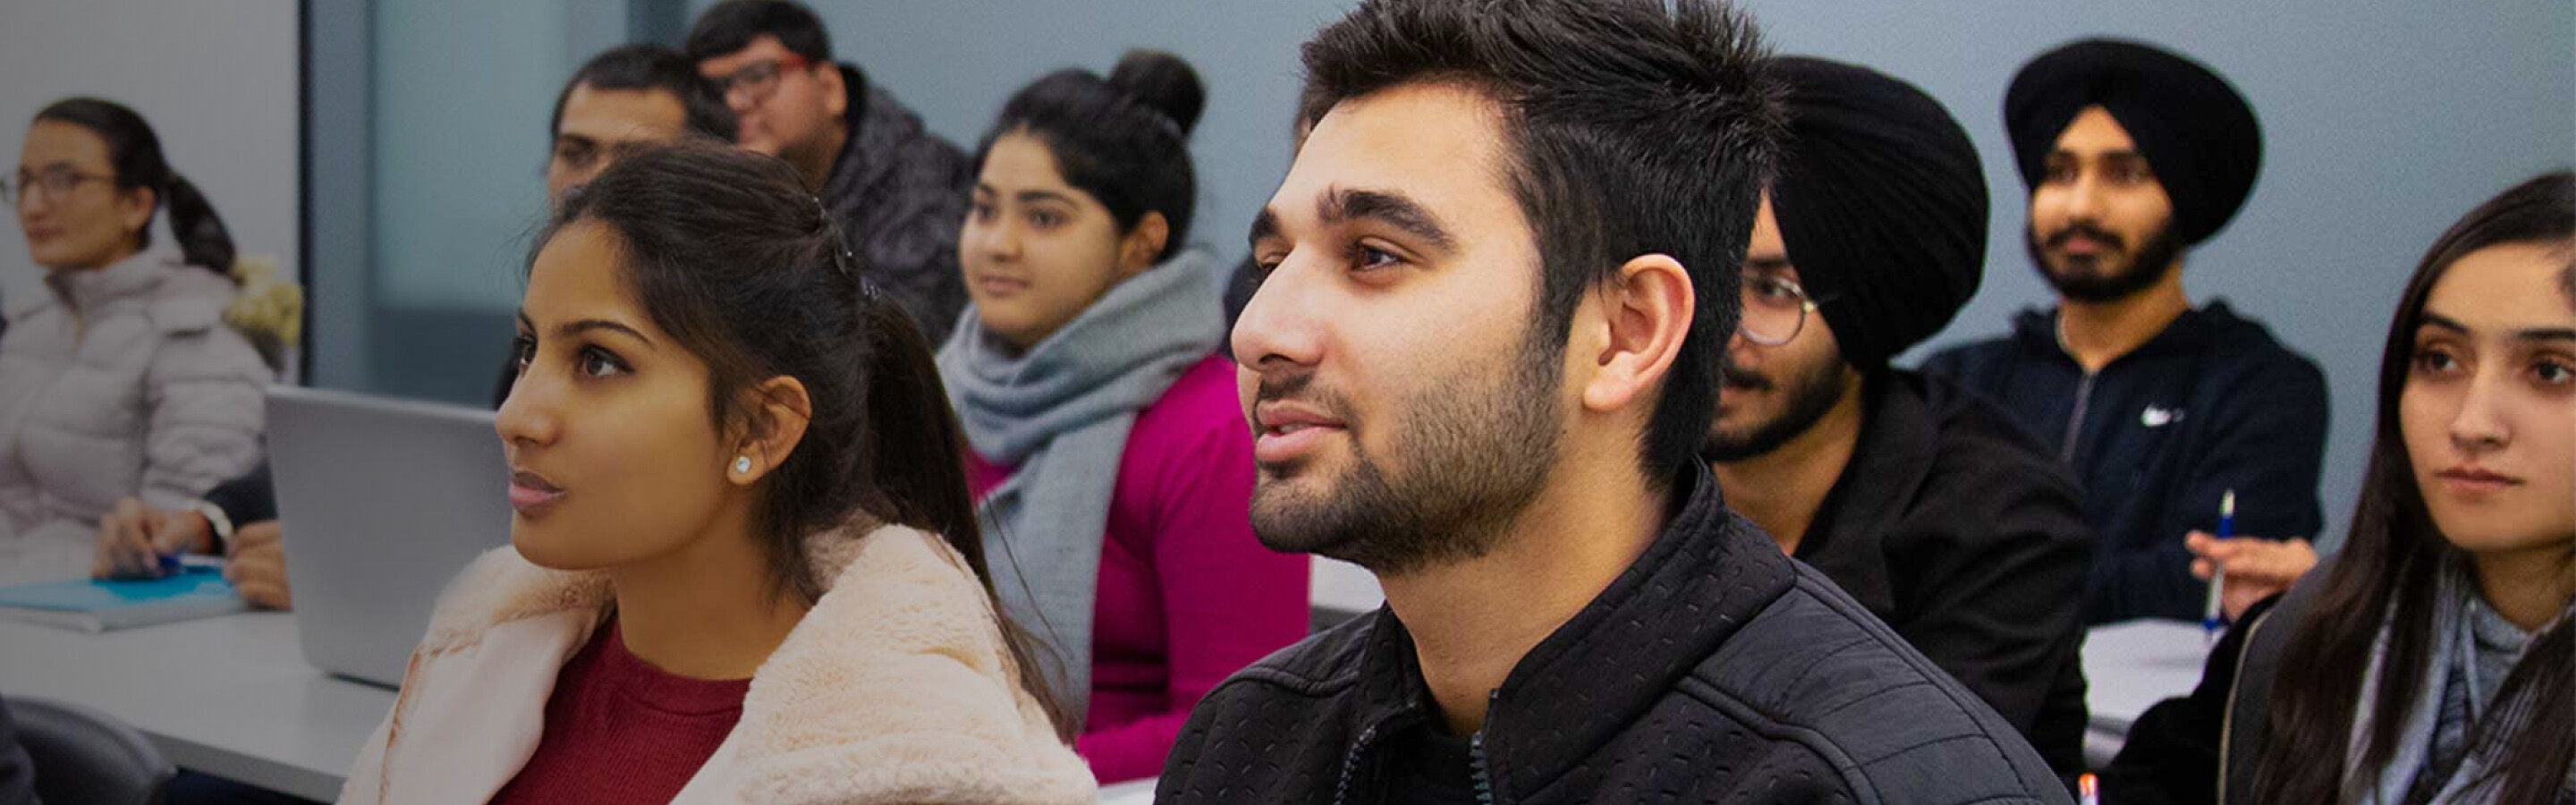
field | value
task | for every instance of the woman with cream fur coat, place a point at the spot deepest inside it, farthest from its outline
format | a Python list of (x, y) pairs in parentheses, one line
[(883, 694), (743, 565)]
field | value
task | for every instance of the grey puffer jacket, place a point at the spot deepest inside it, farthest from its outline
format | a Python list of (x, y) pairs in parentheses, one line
[(122, 381)]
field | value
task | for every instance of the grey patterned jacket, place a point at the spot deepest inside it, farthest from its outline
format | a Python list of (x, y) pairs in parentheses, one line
[(900, 194)]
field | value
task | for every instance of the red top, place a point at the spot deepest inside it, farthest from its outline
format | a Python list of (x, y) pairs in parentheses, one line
[(619, 730), (1187, 595)]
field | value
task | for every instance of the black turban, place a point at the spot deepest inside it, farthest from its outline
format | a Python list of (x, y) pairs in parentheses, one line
[(1882, 204), (2196, 133)]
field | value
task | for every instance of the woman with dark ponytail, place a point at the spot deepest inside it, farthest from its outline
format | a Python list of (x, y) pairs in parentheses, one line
[(743, 566), (122, 382), (2434, 659), (1111, 459)]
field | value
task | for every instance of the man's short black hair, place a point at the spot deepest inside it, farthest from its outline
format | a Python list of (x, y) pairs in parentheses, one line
[(652, 67), (731, 25), (1632, 127)]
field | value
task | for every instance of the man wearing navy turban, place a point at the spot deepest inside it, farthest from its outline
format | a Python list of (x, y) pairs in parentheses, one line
[(2133, 156)]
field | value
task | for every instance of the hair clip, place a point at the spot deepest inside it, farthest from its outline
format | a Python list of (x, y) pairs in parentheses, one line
[(841, 256)]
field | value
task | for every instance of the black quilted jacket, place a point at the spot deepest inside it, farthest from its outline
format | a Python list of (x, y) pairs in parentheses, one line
[(1712, 670)]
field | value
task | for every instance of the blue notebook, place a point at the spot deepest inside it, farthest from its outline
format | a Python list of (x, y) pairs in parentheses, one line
[(98, 606)]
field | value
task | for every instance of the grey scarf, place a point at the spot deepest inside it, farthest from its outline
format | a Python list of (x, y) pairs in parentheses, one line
[(2474, 779), (1060, 414)]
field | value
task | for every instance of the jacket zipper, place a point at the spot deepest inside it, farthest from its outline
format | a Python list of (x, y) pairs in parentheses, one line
[(2235, 683), (2075, 422), (1476, 756), (1351, 764)]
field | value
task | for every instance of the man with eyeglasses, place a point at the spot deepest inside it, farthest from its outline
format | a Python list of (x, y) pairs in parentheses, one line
[(1923, 502), (899, 192)]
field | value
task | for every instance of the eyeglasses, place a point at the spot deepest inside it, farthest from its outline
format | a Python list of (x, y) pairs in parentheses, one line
[(757, 82), (54, 183), (1775, 310)]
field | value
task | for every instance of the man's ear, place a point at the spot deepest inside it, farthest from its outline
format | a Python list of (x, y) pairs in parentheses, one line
[(775, 414), (836, 90), (1645, 312)]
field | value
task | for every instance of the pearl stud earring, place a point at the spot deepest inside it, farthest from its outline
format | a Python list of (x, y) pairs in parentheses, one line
[(741, 465)]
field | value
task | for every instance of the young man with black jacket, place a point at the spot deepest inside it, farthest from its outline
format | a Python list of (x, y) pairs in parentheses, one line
[(1481, 365), (1924, 502), (2133, 155)]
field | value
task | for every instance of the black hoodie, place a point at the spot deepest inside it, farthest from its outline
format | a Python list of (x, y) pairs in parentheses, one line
[(1968, 538), (2211, 404)]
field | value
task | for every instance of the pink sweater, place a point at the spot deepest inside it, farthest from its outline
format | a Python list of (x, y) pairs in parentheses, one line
[(1187, 595)]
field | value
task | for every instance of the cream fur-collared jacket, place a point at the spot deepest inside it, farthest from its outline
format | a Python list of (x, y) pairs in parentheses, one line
[(895, 688)]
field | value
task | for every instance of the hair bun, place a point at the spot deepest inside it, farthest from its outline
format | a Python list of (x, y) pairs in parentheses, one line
[(1163, 82)]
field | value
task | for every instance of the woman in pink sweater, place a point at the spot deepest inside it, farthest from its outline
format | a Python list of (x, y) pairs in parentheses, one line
[(1111, 459)]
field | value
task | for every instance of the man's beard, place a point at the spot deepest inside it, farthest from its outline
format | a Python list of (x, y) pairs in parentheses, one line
[(1808, 396), (2090, 281), (1472, 457)]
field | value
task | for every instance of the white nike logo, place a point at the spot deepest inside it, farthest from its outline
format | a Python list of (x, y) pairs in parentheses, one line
[(2155, 417)]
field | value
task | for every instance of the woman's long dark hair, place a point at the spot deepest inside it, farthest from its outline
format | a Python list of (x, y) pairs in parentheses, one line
[(135, 153), (2389, 569), (729, 254), (1123, 139)]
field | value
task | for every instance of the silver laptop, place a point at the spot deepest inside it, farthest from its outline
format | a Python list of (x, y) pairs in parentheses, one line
[(381, 503)]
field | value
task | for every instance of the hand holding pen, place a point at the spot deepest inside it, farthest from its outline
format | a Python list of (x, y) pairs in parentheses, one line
[(2210, 620), (2255, 568)]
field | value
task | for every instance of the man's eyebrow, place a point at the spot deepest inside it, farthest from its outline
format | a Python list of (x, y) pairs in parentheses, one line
[(1340, 206), (1265, 225)]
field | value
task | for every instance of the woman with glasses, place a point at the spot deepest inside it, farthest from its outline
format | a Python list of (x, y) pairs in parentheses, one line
[(121, 380), (1110, 452)]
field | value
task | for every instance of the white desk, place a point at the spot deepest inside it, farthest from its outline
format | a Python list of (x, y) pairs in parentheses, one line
[(228, 696), (232, 697), (1132, 792), (1341, 587), (2130, 666)]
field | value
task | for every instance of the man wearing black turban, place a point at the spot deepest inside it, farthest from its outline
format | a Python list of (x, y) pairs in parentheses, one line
[(1922, 501), (2133, 155)]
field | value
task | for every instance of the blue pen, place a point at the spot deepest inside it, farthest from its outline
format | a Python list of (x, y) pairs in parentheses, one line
[(173, 564), (2209, 614)]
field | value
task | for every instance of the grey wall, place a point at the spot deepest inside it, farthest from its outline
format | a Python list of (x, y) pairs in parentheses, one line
[(429, 149), (2383, 122), (217, 81)]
